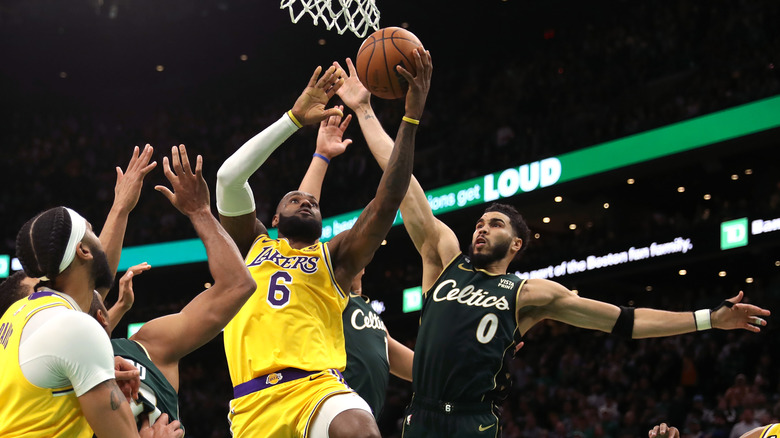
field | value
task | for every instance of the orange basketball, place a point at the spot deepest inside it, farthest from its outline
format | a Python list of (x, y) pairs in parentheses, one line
[(378, 56)]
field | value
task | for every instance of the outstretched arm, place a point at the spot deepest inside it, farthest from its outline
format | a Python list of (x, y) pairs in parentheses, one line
[(330, 144), (126, 194), (170, 337), (401, 358), (235, 201), (435, 242), (353, 249), (544, 299)]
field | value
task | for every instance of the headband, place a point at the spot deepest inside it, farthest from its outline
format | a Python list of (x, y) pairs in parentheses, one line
[(78, 227)]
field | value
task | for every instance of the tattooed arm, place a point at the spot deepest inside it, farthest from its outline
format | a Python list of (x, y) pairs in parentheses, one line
[(107, 411)]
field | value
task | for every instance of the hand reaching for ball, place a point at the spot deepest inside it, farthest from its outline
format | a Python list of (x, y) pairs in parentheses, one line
[(419, 84)]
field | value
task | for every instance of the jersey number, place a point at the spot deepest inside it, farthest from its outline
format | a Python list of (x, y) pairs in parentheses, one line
[(141, 368), (278, 293), (487, 328)]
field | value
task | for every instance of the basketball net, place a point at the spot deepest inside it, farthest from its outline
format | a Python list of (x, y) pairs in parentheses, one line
[(356, 15)]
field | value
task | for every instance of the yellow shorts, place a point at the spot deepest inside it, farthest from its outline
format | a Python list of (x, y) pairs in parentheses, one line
[(284, 410)]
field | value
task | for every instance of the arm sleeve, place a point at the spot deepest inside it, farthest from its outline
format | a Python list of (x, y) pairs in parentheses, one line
[(234, 196), (70, 348)]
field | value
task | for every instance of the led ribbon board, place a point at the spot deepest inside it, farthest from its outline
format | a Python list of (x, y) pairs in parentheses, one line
[(680, 137)]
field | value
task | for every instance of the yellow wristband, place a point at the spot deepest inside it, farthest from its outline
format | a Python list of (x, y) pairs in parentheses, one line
[(292, 117), (410, 120)]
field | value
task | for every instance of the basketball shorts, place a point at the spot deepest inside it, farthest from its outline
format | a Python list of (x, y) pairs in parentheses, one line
[(435, 419), (285, 409)]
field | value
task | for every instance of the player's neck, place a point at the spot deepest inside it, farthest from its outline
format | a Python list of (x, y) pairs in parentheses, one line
[(77, 287), (499, 267), (300, 244)]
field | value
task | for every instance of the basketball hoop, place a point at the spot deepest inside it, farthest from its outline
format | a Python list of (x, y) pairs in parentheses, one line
[(356, 15)]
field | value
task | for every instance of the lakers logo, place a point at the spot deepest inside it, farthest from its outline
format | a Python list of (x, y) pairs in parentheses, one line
[(307, 264), (273, 378)]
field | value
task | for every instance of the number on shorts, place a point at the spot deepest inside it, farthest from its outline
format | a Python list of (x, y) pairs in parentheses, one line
[(278, 293), (487, 328)]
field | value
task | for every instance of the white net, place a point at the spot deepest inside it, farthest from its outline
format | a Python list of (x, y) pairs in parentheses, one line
[(354, 15)]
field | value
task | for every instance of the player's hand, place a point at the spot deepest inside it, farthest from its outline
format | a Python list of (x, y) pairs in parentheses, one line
[(126, 293), (663, 431), (310, 106), (518, 347), (129, 183), (739, 315), (330, 141), (418, 85), (352, 92), (161, 428), (128, 378), (190, 193)]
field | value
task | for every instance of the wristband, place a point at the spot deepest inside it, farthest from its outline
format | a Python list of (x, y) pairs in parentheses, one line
[(410, 120), (702, 319), (321, 156), (292, 117)]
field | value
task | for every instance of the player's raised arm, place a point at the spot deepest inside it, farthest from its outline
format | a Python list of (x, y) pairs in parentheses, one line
[(330, 144), (235, 201), (400, 358), (435, 242), (126, 295), (171, 337), (353, 249), (126, 193), (544, 299)]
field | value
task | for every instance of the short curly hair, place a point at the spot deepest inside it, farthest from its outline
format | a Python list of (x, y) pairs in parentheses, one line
[(12, 290)]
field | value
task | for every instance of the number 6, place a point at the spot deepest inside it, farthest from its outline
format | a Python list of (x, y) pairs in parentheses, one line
[(278, 293)]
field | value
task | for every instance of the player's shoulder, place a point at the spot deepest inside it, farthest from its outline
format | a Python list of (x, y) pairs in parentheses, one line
[(74, 322), (771, 430), (543, 290)]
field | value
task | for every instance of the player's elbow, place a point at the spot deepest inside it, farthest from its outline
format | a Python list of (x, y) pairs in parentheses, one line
[(223, 175), (246, 285)]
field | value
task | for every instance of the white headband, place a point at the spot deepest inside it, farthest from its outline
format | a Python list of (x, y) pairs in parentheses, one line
[(78, 227)]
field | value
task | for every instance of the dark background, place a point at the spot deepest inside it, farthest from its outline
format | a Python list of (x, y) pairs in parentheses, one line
[(514, 82)]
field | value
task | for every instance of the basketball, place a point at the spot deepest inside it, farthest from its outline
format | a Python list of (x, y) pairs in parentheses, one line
[(377, 57)]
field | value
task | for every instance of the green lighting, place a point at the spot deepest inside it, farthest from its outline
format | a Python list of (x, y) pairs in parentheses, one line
[(412, 299), (680, 137)]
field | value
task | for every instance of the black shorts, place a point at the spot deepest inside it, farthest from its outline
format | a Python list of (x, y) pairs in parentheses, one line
[(428, 419)]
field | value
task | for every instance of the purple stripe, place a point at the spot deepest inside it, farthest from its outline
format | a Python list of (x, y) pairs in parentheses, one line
[(260, 383), (41, 294)]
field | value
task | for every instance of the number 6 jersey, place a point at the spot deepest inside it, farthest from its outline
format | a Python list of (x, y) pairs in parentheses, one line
[(467, 329), (294, 317)]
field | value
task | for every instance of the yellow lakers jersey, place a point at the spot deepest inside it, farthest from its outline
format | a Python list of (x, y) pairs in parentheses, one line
[(28, 410), (294, 317), (771, 431)]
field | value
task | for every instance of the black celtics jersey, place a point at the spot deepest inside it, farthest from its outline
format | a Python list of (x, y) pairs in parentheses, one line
[(156, 395), (467, 329), (365, 339)]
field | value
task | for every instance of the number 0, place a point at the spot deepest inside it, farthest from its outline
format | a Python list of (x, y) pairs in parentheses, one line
[(487, 328)]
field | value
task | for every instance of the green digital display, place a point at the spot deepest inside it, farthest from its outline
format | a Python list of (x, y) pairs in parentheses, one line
[(5, 265), (680, 137), (133, 327), (412, 299)]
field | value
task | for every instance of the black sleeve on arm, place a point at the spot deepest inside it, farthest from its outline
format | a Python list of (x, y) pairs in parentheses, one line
[(624, 326)]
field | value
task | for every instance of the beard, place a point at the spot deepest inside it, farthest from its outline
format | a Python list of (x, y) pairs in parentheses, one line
[(101, 271), (482, 260), (300, 228)]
